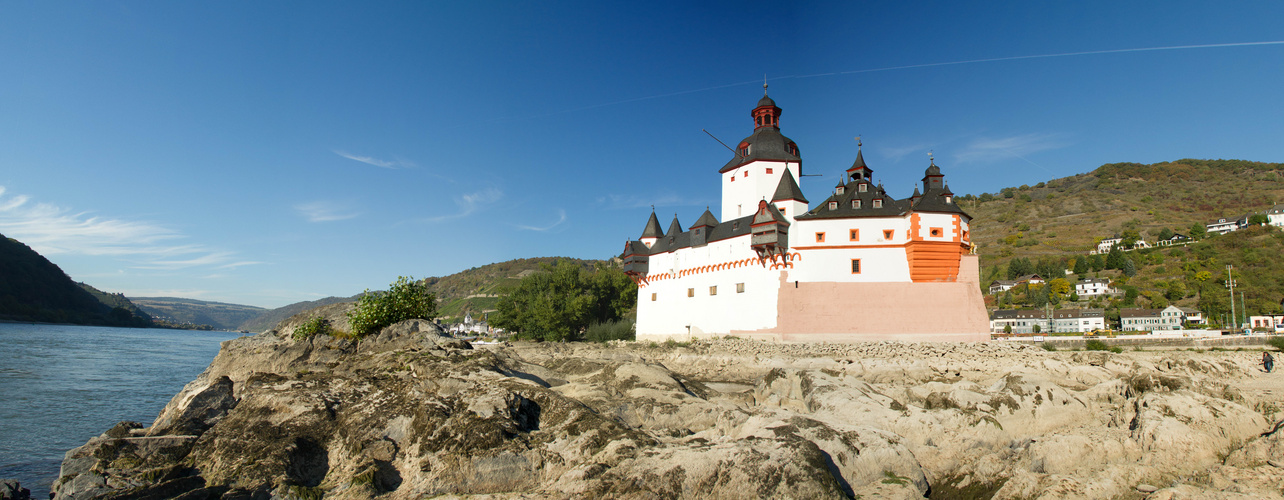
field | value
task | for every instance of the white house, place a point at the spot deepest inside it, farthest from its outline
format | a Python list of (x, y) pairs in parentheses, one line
[(1168, 318), (1093, 287), (1078, 320), (1193, 316), (859, 265), (1275, 215), (1107, 244), (1222, 226), (1062, 320), (1267, 322)]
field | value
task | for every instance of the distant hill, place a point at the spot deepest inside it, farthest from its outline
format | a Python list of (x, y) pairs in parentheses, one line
[(476, 291), (219, 315), (34, 289), (268, 319)]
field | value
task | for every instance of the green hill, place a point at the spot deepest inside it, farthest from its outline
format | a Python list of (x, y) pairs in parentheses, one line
[(1059, 221), (268, 319), (476, 291), (179, 311), (34, 289)]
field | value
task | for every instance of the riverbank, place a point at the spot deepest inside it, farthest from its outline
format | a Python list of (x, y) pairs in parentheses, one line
[(409, 413)]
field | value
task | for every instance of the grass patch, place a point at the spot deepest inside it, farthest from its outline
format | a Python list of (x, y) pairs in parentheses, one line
[(1048, 347), (1276, 342), (890, 477), (621, 329), (313, 327)]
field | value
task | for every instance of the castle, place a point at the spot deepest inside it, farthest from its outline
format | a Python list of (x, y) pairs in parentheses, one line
[(859, 266)]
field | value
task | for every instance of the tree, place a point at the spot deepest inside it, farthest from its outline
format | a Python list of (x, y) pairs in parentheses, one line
[(1074, 296), (1198, 231), (1258, 220), (1176, 290), (1036, 328), (1129, 269), (1164, 234), (1098, 262), (1130, 238), (1081, 266), (1130, 296), (562, 300), (1007, 328), (405, 299), (1115, 259)]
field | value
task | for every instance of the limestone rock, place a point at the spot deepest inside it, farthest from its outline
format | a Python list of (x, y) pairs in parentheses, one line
[(410, 413)]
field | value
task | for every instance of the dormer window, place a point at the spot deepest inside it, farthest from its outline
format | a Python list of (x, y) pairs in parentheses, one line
[(948, 198), (878, 203), (863, 187), (833, 205), (855, 203), (839, 190)]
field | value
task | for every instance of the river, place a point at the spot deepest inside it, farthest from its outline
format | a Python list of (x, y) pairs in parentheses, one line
[(61, 385)]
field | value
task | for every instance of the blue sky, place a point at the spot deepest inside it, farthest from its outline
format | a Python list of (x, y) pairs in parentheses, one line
[(265, 153)]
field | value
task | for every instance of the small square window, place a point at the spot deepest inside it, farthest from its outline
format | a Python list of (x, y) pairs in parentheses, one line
[(733, 177), (863, 187), (936, 232), (690, 292), (740, 288), (820, 237), (713, 290), (878, 203), (782, 210), (887, 234), (653, 297), (854, 235), (833, 205), (746, 173), (768, 170), (855, 266)]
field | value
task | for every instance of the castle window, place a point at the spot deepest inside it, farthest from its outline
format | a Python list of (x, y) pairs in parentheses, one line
[(769, 172), (855, 266), (878, 203), (740, 288), (690, 292), (863, 187), (887, 234), (936, 232), (854, 235), (833, 205), (948, 198), (820, 237), (653, 297), (782, 210), (855, 203), (839, 190), (746, 173), (713, 290)]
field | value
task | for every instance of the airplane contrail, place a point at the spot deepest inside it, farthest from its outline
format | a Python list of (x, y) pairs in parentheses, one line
[(908, 66)]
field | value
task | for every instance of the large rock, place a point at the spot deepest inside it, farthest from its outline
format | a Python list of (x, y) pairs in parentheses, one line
[(11, 490), (410, 413)]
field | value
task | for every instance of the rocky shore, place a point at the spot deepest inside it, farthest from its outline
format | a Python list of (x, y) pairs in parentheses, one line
[(409, 413)]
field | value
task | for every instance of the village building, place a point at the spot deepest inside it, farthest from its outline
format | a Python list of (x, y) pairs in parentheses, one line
[(1023, 321), (1175, 239), (1000, 286), (1222, 226), (1275, 215), (1193, 316), (1136, 319), (1265, 322), (1093, 287), (1107, 244), (859, 265)]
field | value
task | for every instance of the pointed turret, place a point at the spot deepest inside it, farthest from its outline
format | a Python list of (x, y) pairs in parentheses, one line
[(706, 220), (788, 189), (651, 232), (675, 228), (700, 231)]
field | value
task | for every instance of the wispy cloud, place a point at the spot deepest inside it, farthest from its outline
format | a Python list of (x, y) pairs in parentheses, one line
[(325, 211), (469, 203), (632, 201), (561, 218), (988, 149), (53, 230), (370, 160), (897, 154)]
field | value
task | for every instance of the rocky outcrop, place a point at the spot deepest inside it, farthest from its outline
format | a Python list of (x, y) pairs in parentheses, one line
[(409, 413), (11, 490)]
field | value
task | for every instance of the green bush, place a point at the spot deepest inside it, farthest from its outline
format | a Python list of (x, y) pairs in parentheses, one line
[(405, 299), (1276, 342), (313, 327), (621, 329), (1048, 347), (1097, 345)]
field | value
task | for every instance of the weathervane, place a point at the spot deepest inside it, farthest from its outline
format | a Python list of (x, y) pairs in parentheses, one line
[(858, 142), (930, 158)]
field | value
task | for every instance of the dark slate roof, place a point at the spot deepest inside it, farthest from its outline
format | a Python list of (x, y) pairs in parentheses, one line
[(722, 231), (652, 229), (765, 101), (788, 189), (860, 162), (675, 227), (636, 248), (933, 200), (706, 219), (766, 143), (851, 191)]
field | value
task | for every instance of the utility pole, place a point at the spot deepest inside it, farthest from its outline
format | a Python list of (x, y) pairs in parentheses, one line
[(1230, 283), (1243, 305)]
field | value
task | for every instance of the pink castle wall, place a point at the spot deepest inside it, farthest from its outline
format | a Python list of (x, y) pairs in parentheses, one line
[(856, 312)]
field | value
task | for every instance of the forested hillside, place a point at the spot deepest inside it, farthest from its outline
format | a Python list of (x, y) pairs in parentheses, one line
[(1053, 225), (34, 289)]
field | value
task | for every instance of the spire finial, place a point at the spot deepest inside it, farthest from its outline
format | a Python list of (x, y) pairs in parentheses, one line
[(858, 144), (652, 208), (764, 85), (930, 157)]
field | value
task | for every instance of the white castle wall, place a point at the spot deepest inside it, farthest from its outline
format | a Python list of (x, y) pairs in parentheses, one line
[(752, 183), (672, 311), (928, 221)]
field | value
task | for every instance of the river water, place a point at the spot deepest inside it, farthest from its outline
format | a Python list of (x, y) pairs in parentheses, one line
[(61, 385)]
